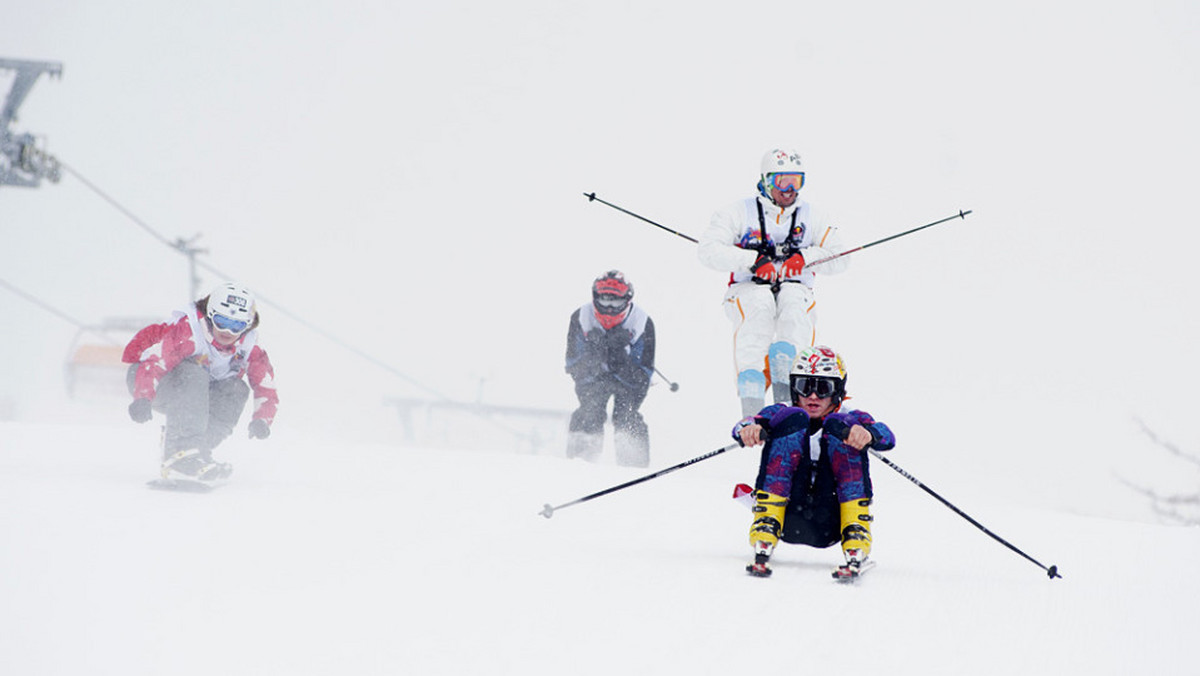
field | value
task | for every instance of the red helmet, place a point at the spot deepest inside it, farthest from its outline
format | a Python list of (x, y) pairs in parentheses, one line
[(611, 295)]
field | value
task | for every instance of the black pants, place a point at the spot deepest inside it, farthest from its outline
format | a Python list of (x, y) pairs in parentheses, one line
[(813, 515), (593, 404), (201, 413)]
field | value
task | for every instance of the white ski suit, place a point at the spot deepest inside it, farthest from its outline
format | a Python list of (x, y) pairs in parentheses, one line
[(771, 322)]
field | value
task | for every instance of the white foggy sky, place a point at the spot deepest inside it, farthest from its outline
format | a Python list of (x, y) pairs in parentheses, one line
[(410, 177)]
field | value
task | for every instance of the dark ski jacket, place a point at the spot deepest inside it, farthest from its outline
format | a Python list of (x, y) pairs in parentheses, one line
[(624, 353)]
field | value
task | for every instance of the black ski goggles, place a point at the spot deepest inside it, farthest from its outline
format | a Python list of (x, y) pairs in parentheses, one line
[(807, 386), (608, 304)]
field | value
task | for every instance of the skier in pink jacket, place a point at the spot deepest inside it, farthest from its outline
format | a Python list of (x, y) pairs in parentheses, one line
[(191, 369)]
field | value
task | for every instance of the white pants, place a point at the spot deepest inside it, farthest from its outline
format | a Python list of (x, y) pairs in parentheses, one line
[(762, 319)]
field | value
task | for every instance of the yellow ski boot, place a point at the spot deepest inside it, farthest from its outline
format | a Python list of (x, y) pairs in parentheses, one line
[(764, 532), (856, 538)]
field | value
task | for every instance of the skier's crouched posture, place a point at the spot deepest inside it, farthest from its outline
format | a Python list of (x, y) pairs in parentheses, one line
[(813, 486), (610, 355), (191, 369)]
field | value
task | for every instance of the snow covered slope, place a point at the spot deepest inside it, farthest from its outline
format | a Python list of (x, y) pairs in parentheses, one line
[(323, 558)]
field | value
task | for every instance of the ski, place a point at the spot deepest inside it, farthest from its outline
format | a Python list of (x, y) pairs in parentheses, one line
[(756, 570), (759, 567), (848, 573), (180, 485)]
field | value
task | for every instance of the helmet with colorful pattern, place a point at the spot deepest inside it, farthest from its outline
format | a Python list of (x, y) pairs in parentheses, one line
[(819, 370)]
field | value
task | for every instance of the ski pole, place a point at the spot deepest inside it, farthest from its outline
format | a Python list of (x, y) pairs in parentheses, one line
[(961, 214), (592, 198), (548, 511), (674, 386), (1052, 571)]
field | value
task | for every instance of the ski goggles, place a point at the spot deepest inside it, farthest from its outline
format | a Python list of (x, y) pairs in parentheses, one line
[(228, 324), (786, 182), (807, 386), (609, 304)]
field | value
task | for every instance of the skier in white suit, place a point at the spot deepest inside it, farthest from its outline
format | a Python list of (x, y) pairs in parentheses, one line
[(767, 242)]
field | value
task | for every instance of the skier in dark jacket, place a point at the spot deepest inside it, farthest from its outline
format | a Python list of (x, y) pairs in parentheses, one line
[(610, 354), (814, 485)]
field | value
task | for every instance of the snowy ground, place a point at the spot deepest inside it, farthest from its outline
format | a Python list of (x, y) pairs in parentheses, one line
[(323, 558)]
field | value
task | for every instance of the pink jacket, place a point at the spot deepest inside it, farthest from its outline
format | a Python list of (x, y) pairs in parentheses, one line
[(159, 348)]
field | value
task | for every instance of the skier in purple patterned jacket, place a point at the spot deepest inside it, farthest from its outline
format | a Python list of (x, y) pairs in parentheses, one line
[(813, 486)]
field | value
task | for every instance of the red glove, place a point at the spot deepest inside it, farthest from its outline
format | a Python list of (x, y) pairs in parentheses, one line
[(764, 269), (793, 266)]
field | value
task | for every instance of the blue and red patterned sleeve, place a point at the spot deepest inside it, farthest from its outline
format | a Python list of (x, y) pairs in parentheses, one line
[(882, 438), (763, 418)]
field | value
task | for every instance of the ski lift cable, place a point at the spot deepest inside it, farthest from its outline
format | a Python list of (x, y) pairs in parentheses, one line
[(44, 305), (117, 205), (177, 246), (329, 336)]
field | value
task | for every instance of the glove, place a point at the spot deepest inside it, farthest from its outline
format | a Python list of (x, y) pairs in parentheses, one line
[(764, 269), (793, 266), (591, 356), (618, 336), (837, 428), (615, 341), (840, 429), (259, 429), (139, 411)]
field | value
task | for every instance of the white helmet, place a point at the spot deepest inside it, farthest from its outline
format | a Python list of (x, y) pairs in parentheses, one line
[(231, 307), (781, 161), (778, 161)]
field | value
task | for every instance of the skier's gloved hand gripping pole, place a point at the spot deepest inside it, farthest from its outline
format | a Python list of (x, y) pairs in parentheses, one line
[(1052, 571), (548, 510)]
